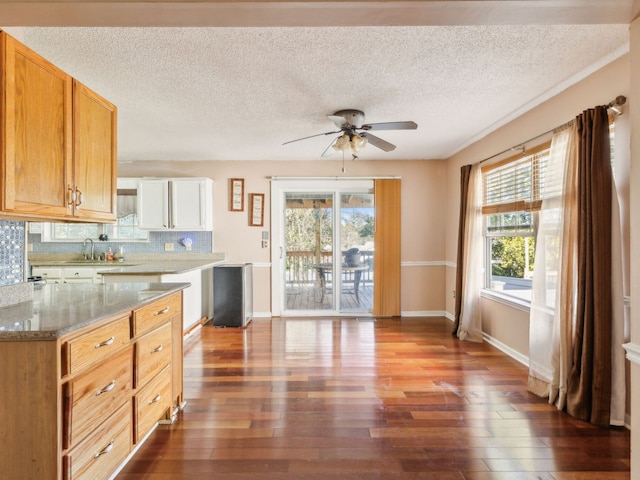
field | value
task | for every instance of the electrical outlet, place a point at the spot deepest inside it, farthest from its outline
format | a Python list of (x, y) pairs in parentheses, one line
[(265, 243), (168, 247), (187, 248)]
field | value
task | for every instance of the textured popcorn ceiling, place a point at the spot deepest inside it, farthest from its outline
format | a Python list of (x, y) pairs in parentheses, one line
[(228, 93)]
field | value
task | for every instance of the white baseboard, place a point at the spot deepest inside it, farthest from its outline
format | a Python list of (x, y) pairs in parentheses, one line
[(424, 313), (523, 359)]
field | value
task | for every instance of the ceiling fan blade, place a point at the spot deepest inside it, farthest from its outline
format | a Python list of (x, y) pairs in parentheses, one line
[(391, 126), (311, 136), (330, 150), (378, 142), (338, 120)]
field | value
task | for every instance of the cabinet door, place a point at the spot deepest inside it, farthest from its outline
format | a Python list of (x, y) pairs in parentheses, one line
[(189, 204), (94, 157), (37, 135), (153, 204)]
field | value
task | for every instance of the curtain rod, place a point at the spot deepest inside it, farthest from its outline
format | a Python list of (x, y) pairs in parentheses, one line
[(612, 105), (384, 177)]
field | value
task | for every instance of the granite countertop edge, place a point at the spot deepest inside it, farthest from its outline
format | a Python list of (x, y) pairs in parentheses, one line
[(136, 264), (53, 302)]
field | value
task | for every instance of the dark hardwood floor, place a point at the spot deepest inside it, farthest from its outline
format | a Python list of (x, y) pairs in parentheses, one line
[(343, 399)]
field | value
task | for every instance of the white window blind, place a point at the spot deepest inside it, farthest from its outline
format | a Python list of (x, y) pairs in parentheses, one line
[(518, 183)]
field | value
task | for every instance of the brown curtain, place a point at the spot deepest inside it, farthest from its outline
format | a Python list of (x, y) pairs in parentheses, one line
[(386, 260), (589, 388), (465, 173)]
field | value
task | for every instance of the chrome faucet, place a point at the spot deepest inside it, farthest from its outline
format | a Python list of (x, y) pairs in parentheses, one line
[(84, 244)]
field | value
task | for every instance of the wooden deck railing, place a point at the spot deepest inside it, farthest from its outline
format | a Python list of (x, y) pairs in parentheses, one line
[(300, 271)]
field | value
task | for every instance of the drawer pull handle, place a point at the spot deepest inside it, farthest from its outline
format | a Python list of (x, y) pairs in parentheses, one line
[(155, 399), (159, 348), (71, 195), (106, 389), (106, 343), (105, 450), (161, 312)]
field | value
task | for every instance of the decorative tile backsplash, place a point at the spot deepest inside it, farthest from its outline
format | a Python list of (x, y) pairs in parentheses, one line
[(201, 243), (12, 252)]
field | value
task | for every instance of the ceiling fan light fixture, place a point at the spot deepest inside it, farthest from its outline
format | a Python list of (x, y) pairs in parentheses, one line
[(357, 143), (350, 122), (342, 143), (350, 143)]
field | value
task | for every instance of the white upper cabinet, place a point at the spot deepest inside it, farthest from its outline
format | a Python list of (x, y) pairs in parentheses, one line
[(153, 204), (180, 204)]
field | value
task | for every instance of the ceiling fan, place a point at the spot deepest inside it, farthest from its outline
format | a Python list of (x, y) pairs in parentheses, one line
[(355, 133)]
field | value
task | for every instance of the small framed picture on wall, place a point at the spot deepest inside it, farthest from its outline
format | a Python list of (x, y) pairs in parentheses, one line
[(236, 194), (256, 209)]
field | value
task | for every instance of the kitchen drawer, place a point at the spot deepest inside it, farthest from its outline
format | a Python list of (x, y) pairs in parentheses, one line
[(47, 273), (150, 316), (93, 396), (102, 452), (152, 403), (153, 353), (92, 347), (85, 273)]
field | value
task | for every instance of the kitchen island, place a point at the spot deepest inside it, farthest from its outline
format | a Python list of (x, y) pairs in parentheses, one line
[(88, 371), (193, 269)]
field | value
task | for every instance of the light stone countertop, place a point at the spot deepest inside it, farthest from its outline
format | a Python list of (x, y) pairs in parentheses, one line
[(59, 309), (140, 264)]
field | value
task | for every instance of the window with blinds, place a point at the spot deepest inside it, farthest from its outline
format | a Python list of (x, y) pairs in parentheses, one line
[(513, 190), (517, 183)]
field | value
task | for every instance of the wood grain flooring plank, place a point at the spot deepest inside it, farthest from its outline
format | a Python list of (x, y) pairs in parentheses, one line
[(395, 399)]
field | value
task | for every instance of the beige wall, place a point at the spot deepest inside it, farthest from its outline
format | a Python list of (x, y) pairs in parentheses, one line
[(510, 326), (423, 217)]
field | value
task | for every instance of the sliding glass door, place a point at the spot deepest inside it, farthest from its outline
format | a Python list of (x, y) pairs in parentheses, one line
[(323, 247)]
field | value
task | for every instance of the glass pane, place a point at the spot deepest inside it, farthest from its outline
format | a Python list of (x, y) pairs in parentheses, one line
[(74, 231), (512, 265), (126, 228), (357, 217), (309, 251), (521, 222)]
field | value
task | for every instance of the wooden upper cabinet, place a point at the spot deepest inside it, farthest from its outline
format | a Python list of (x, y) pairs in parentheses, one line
[(95, 156), (37, 135), (58, 142)]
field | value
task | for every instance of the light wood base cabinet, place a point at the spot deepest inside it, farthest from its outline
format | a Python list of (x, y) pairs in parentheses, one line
[(75, 407)]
